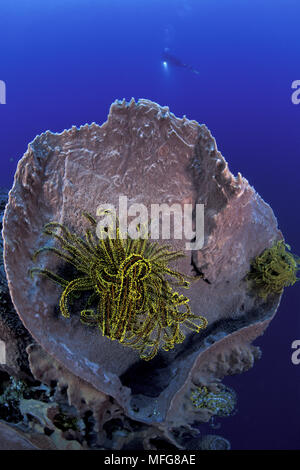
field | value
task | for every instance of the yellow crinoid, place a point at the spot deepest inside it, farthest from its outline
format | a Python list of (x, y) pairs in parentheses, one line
[(274, 269), (127, 287)]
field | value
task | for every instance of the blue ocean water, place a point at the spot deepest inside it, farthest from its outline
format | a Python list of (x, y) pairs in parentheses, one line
[(65, 62)]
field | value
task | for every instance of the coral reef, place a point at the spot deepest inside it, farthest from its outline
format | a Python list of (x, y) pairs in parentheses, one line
[(11, 438), (127, 402), (13, 334), (61, 411)]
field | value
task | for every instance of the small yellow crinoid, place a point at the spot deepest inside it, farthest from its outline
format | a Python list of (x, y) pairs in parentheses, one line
[(274, 269), (127, 287)]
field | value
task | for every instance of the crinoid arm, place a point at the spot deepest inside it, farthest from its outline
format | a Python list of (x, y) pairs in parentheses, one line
[(127, 286), (80, 284)]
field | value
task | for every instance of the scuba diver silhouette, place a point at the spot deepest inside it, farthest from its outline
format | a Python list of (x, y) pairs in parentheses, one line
[(171, 59)]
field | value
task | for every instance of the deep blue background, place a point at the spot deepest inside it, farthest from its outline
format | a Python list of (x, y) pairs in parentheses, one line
[(65, 62)]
